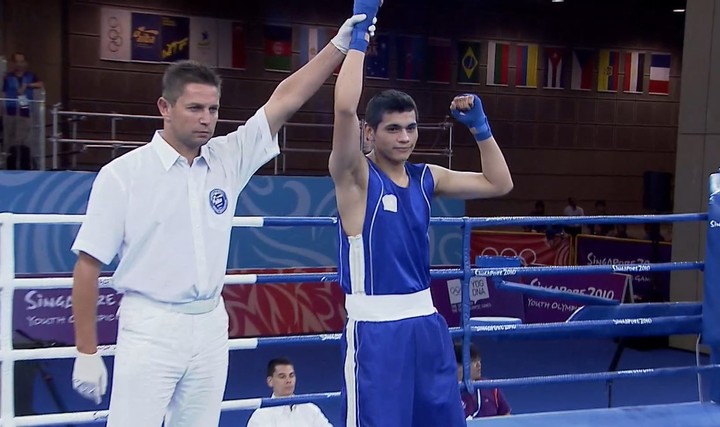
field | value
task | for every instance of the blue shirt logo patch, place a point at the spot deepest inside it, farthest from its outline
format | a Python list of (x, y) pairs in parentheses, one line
[(218, 201)]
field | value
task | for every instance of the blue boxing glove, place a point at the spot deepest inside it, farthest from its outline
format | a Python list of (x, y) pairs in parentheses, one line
[(360, 37), (469, 111)]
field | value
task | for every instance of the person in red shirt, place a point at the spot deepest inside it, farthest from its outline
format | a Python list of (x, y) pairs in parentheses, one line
[(484, 402)]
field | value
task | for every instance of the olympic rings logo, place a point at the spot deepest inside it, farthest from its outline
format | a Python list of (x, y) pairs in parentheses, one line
[(114, 34), (528, 255)]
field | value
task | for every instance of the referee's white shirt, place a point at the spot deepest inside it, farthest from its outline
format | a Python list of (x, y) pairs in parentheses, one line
[(302, 415), (168, 222)]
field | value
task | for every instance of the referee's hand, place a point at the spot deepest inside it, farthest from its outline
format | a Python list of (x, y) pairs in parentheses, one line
[(90, 376)]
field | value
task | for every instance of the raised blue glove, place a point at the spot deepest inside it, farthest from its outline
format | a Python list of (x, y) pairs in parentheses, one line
[(471, 115), (360, 36)]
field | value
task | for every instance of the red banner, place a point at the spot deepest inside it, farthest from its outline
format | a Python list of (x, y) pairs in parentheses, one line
[(284, 308), (533, 248), (311, 308)]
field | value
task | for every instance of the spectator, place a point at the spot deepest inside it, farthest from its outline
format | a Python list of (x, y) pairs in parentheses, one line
[(281, 379), (572, 209), (539, 210), (19, 86), (484, 402), (652, 232), (601, 229), (619, 232)]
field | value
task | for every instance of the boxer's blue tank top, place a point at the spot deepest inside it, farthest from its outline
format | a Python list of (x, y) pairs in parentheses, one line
[(392, 256)]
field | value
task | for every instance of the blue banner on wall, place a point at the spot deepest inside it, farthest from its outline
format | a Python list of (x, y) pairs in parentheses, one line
[(146, 37), (46, 248)]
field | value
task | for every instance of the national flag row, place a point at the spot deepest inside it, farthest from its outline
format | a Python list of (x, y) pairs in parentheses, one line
[(430, 59), (139, 36), (616, 70)]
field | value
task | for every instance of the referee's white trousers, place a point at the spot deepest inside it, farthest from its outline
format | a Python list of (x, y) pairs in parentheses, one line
[(169, 366)]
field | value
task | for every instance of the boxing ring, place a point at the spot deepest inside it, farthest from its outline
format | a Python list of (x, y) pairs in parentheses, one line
[(597, 317)]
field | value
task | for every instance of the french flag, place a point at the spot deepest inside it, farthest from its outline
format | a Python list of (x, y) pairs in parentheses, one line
[(659, 74)]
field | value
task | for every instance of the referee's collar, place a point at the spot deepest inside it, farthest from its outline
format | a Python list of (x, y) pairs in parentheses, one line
[(168, 155)]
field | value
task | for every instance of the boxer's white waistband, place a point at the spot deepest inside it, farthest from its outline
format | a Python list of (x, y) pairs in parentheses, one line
[(384, 308)]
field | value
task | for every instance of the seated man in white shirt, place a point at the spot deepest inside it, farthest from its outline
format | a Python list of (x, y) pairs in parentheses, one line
[(281, 379), (572, 209)]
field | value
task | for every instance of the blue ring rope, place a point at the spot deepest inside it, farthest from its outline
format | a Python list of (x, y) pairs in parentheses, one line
[(502, 271), (572, 220), (668, 325), (331, 276), (653, 326), (588, 269), (281, 221), (595, 376)]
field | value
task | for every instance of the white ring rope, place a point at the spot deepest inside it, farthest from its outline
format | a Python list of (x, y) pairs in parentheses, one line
[(9, 218), (106, 282), (9, 283)]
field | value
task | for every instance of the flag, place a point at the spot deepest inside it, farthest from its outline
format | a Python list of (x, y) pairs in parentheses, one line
[(115, 34), (278, 47), (377, 57), (608, 70), (659, 74), (582, 69), (438, 65), (554, 68), (175, 35), (410, 57), (312, 40), (231, 44), (146, 43), (204, 40), (526, 67), (468, 62), (498, 64), (634, 72)]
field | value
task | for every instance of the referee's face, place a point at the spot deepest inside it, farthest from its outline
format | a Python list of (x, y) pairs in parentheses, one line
[(191, 121)]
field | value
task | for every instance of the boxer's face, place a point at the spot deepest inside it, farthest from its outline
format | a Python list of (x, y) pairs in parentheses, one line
[(395, 136), (282, 381)]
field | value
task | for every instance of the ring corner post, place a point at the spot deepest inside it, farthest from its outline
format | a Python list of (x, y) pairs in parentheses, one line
[(7, 364), (711, 285), (465, 304), (484, 262)]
